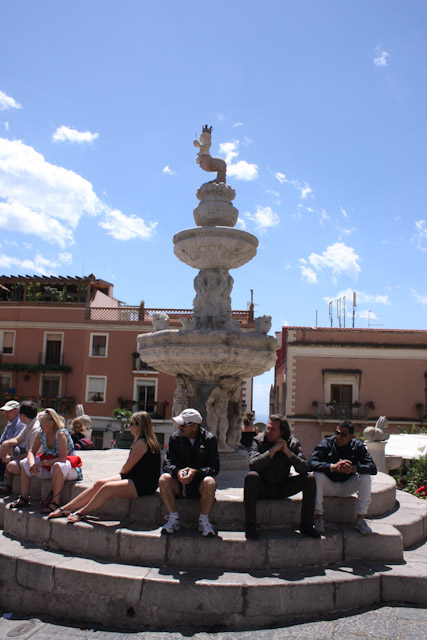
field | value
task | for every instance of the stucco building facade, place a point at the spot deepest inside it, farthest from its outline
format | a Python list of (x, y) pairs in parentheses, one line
[(326, 375)]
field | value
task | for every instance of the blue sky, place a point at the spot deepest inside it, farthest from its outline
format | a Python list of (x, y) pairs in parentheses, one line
[(319, 107)]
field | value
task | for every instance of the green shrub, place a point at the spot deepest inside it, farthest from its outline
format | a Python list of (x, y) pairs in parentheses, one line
[(417, 474)]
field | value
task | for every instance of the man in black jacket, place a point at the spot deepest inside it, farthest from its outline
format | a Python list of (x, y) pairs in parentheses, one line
[(343, 466), (270, 460), (190, 464)]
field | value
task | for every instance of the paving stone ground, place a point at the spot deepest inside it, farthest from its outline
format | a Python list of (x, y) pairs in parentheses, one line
[(382, 623)]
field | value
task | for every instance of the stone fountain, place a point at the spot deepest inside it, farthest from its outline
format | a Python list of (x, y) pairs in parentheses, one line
[(211, 354)]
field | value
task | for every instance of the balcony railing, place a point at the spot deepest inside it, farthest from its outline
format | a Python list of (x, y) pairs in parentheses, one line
[(342, 411), (142, 314), (64, 405)]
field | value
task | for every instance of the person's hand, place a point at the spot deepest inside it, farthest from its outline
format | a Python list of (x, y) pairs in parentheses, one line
[(344, 466), (35, 468), (185, 476), (277, 446)]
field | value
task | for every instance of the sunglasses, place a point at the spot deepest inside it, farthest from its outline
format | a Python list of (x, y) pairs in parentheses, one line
[(341, 434)]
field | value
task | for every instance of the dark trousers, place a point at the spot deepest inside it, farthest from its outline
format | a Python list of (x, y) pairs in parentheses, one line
[(256, 488)]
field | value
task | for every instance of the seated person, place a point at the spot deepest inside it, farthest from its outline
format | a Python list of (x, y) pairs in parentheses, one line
[(12, 429), (271, 457), (15, 449), (191, 462), (248, 430), (139, 475), (343, 466), (78, 433), (52, 463)]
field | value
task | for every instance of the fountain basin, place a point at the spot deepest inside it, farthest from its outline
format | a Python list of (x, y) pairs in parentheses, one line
[(208, 355), (215, 247)]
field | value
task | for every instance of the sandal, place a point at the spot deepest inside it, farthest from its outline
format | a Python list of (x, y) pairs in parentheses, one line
[(76, 517), (51, 507), (20, 503), (58, 513)]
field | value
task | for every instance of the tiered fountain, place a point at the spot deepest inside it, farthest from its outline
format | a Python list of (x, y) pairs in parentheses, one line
[(211, 355)]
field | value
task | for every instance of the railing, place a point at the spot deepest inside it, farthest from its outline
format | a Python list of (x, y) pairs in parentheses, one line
[(342, 411), (141, 314), (63, 405)]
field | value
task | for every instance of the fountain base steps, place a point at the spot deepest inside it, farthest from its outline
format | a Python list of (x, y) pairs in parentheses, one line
[(38, 581)]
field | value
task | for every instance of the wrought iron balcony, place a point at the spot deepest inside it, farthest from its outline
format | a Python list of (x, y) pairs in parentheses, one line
[(343, 411)]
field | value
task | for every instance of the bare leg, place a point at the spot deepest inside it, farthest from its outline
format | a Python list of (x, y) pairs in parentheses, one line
[(87, 495), (112, 489), (207, 494), (169, 489), (12, 469), (58, 480), (25, 485)]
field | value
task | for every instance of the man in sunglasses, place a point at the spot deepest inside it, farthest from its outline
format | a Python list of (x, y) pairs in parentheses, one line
[(343, 466), (190, 463)]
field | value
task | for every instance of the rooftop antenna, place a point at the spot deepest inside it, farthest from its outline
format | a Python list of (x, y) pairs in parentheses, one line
[(343, 307), (339, 311), (354, 306), (330, 314)]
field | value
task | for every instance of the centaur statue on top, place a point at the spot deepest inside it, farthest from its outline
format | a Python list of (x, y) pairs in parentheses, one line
[(204, 158)]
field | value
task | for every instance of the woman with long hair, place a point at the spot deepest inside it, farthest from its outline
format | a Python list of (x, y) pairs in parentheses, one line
[(139, 475), (55, 461), (249, 431)]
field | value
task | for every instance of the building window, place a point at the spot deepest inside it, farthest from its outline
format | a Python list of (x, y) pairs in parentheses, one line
[(7, 342), (98, 345), (146, 394), (53, 348), (51, 386), (342, 393), (5, 382), (96, 388)]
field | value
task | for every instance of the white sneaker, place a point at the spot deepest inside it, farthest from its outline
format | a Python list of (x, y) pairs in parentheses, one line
[(206, 528), (362, 526), (319, 525), (171, 525)]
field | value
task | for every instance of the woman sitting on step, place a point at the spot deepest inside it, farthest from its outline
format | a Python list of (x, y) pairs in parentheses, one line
[(56, 461), (139, 475)]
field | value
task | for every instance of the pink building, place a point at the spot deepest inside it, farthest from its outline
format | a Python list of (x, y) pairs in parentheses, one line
[(326, 375), (68, 341)]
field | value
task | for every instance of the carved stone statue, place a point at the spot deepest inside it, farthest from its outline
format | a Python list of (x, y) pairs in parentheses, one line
[(160, 321), (263, 324), (204, 158), (377, 433), (217, 411), (212, 304), (183, 393)]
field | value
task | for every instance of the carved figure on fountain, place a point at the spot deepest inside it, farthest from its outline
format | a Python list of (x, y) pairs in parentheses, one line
[(204, 158), (217, 411), (183, 395), (212, 304), (263, 324), (215, 207), (160, 321)]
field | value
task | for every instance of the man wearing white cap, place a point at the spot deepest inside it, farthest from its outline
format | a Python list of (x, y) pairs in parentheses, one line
[(190, 464), (13, 428)]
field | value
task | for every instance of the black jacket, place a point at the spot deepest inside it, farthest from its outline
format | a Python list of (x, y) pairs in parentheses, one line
[(203, 455), (328, 452), (275, 470)]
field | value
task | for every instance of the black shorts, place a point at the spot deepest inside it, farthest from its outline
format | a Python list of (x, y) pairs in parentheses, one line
[(190, 490)]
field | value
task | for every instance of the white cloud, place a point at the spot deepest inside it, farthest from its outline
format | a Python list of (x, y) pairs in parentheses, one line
[(304, 189), (307, 272), (123, 227), (367, 314), (338, 257), (420, 235), (420, 299), (381, 57), (45, 200), (242, 170), (64, 134), (238, 124), (344, 212), (36, 264), (6, 102), (168, 170), (6, 126), (361, 297), (241, 223), (321, 214), (264, 218)]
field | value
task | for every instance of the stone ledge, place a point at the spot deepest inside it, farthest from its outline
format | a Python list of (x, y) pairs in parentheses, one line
[(131, 596)]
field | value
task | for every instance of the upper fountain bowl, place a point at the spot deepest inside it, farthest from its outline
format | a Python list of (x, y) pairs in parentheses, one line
[(215, 247)]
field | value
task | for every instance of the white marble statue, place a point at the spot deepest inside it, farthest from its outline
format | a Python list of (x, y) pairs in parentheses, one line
[(212, 304), (183, 393), (160, 321)]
